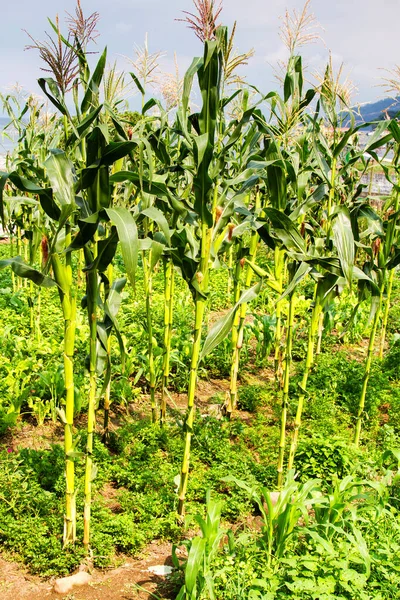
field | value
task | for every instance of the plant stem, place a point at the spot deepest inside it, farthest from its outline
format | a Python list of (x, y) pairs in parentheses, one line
[(14, 289), (92, 290), (386, 314), (148, 289), (168, 318), (320, 332), (107, 393), (237, 340), (390, 233), (18, 249), (63, 276), (235, 334), (38, 314), (279, 268), (285, 396), (200, 304), (230, 269), (331, 196), (312, 332), (367, 372)]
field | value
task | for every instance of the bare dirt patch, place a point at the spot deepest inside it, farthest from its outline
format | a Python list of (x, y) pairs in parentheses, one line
[(131, 581)]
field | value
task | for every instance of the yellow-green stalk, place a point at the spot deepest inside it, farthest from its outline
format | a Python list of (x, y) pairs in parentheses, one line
[(285, 395), (25, 246), (92, 290), (148, 290), (367, 372), (237, 280), (388, 247), (18, 248), (107, 392), (14, 285), (169, 280), (312, 333), (63, 277), (320, 332), (386, 313), (331, 196), (230, 270), (237, 340), (202, 276), (200, 304), (37, 317), (279, 264)]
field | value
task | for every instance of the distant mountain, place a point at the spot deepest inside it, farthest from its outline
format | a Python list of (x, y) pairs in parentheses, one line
[(377, 110)]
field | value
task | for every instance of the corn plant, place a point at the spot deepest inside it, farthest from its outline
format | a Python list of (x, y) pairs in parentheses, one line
[(201, 551)]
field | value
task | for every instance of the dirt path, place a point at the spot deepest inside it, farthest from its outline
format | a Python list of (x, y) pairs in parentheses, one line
[(131, 581)]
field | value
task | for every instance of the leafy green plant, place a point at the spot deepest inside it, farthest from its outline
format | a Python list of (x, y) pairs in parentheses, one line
[(201, 551), (325, 458), (251, 397)]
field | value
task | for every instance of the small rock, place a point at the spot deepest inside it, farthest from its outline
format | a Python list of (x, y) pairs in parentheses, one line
[(162, 570), (65, 584)]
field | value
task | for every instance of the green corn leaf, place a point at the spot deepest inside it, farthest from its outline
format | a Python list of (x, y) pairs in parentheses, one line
[(116, 150), (84, 125), (156, 252), (194, 563), (200, 147), (128, 237), (187, 88), (326, 288), (23, 270), (92, 93), (222, 327), (154, 214), (106, 249), (285, 230), (3, 181), (137, 83), (60, 173), (45, 194), (344, 242), (111, 308), (302, 272), (55, 96), (155, 188), (149, 104)]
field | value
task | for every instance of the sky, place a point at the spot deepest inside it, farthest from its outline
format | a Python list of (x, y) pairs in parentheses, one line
[(363, 34)]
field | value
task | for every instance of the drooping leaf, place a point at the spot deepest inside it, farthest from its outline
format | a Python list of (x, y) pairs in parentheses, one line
[(344, 242), (154, 214), (222, 327), (302, 272), (55, 96), (45, 194), (23, 270), (156, 188), (137, 82), (60, 173), (128, 237), (285, 230)]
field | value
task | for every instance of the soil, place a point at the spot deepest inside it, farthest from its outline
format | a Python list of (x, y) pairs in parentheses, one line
[(131, 581)]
